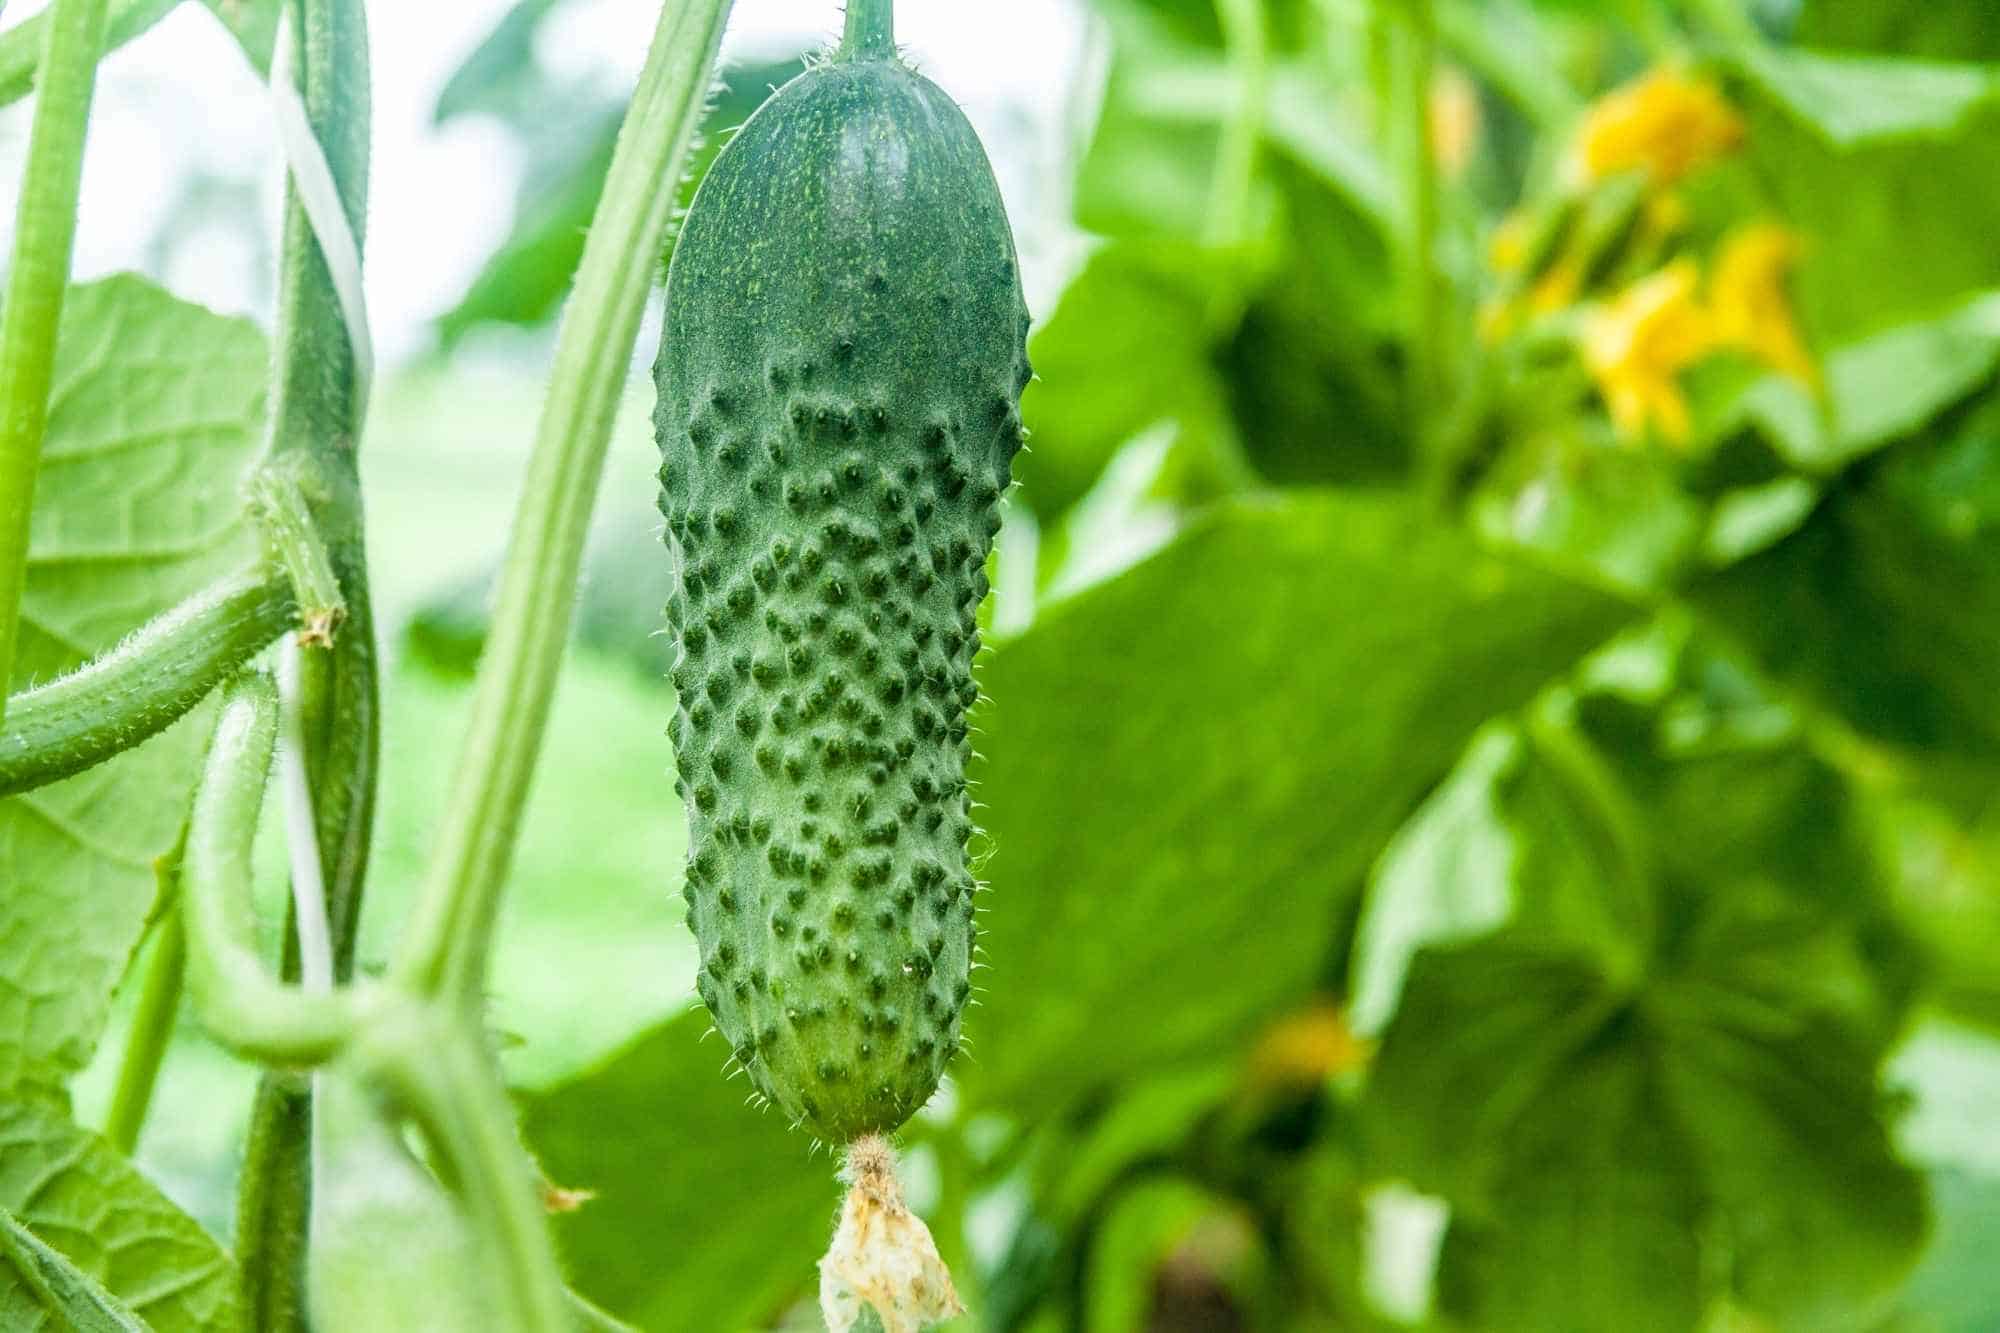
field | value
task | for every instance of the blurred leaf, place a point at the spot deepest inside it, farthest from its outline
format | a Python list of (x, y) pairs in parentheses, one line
[(1934, 29), (66, 1291), (1913, 230), (500, 76), (1862, 101), (707, 1212), (1884, 607), (1622, 1129), (1154, 742), (155, 418), (78, 1196), (570, 134), (1447, 876), (1601, 1217), (1956, 1288), (1129, 347)]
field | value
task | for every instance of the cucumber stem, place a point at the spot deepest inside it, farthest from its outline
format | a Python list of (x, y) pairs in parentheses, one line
[(871, 29), (44, 234)]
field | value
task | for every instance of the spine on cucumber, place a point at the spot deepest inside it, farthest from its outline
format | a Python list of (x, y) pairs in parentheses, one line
[(839, 384)]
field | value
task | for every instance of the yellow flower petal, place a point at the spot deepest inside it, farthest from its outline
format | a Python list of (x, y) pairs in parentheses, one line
[(1455, 121), (1748, 301), (1665, 123), (1636, 346)]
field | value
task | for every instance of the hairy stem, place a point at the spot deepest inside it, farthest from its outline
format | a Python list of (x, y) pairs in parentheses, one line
[(871, 28), (451, 931), (44, 232), (279, 500), (144, 685), (153, 1023), (238, 998), (315, 425), (21, 46), (435, 1064)]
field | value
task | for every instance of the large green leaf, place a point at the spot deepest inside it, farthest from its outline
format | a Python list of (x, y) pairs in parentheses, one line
[(1686, 1101), (1188, 769), (154, 420), (78, 1196), (707, 1211)]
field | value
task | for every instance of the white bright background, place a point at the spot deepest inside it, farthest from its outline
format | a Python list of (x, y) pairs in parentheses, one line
[(181, 105)]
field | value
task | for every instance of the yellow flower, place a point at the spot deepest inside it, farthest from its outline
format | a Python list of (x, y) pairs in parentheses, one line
[(1557, 287), (1507, 251), (1306, 1047), (1747, 298), (1455, 121), (1665, 123), (1636, 346)]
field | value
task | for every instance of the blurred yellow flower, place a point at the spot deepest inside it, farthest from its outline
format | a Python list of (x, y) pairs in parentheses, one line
[(1507, 251), (1636, 346), (1748, 302), (1307, 1047), (1455, 121), (1665, 123), (1558, 287)]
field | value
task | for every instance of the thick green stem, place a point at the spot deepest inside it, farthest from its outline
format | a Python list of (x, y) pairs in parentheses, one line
[(434, 1063), (871, 29), (315, 427), (44, 231), (451, 932), (21, 45), (238, 998), (152, 1022), (142, 686)]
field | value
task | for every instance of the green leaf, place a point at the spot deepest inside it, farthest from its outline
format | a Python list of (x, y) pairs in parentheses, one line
[(706, 1211), (1600, 1224), (1129, 347), (1934, 29), (79, 1197), (66, 1291), (155, 420), (1861, 101), (1449, 875), (1913, 232), (1188, 769), (1885, 607)]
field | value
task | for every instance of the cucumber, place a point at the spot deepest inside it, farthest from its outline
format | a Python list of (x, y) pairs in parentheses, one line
[(839, 407)]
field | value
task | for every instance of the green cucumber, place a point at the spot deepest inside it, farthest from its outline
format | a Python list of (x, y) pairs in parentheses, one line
[(839, 386)]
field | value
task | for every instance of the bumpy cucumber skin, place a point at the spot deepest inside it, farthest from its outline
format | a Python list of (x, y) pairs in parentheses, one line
[(839, 387)]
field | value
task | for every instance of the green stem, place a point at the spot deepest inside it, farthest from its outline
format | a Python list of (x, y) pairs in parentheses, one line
[(1427, 328), (871, 29), (279, 499), (44, 232), (21, 46), (1243, 133), (142, 686), (435, 1064), (152, 1024), (239, 1001), (446, 945), (315, 426)]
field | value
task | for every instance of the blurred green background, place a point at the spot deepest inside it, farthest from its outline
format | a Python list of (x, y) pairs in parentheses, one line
[(1489, 760)]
